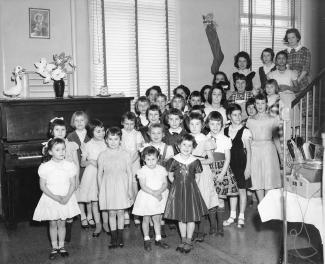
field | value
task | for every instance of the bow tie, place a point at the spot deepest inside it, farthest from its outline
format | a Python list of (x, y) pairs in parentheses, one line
[(175, 133)]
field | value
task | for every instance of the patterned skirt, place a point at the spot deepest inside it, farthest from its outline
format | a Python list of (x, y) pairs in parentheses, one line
[(226, 187)]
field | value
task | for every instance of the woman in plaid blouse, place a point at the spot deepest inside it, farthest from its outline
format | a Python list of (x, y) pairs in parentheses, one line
[(299, 57)]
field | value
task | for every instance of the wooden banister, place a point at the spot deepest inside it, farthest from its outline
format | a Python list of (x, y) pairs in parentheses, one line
[(308, 88)]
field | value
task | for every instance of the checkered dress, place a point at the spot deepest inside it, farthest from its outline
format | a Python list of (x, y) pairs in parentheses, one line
[(300, 61), (236, 96)]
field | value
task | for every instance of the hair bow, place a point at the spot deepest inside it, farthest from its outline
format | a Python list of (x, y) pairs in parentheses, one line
[(52, 120)]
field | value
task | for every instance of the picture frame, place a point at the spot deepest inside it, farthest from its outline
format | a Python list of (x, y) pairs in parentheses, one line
[(39, 23)]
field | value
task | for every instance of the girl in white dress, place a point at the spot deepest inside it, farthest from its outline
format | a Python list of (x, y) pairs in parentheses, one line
[(151, 199), (58, 202), (131, 142), (88, 188), (58, 129)]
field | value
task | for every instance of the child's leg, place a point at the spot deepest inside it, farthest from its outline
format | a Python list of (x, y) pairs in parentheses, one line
[(126, 218), (162, 227), (96, 215), (260, 195), (112, 223), (61, 235), (68, 229), (120, 227), (145, 227), (233, 207), (220, 211), (105, 220), (151, 229), (182, 230), (242, 207), (213, 220), (90, 219), (189, 231), (53, 226), (83, 217), (157, 222)]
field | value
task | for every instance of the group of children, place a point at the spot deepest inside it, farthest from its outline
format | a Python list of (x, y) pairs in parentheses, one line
[(176, 162)]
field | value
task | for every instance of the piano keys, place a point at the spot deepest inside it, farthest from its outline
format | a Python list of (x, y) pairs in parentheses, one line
[(23, 128)]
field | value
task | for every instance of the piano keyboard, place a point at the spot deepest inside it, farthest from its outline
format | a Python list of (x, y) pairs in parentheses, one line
[(29, 155)]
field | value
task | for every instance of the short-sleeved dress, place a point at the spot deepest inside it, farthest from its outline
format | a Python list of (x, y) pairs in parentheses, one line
[(265, 167), (228, 186), (114, 189), (185, 202), (57, 176), (146, 204), (88, 188), (130, 142), (205, 181)]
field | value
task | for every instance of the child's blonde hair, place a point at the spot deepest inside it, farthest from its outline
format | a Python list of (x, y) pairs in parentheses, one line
[(274, 83), (78, 113)]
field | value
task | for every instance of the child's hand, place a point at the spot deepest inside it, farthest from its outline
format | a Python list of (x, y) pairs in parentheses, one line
[(220, 177), (159, 197), (247, 173), (58, 198), (65, 199)]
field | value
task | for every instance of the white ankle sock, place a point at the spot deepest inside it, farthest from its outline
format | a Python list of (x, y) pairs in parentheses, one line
[(241, 216), (61, 244), (146, 238), (233, 214), (158, 237), (54, 244)]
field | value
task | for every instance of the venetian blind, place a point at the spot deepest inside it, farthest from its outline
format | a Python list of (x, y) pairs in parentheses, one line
[(263, 24), (139, 47)]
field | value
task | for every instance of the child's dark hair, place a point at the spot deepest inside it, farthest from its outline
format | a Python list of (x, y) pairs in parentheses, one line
[(261, 96), (268, 50), (113, 131), (128, 116), (53, 124), (195, 116), (78, 113), (155, 87), (282, 52), (92, 125), (195, 94), (233, 107), (205, 87), (220, 73), (158, 125), (294, 31), (250, 101), (154, 108), (242, 54), (148, 151), (178, 96), (175, 111), (184, 88), (214, 116), (239, 76), (50, 145), (187, 137), (223, 95), (140, 99), (162, 95), (274, 83)]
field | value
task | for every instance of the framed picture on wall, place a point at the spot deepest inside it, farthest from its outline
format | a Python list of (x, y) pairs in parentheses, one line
[(39, 23)]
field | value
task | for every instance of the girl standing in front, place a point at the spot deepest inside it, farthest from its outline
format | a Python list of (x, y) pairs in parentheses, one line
[(240, 162), (185, 203), (88, 189), (58, 129), (265, 167), (203, 151), (58, 202), (79, 121), (151, 199), (115, 181), (224, 181)]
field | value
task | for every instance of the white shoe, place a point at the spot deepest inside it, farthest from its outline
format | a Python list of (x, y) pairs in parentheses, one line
[(241, 222), (229, 221)]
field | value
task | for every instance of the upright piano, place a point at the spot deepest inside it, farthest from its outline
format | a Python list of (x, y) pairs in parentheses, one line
[(23, 127)]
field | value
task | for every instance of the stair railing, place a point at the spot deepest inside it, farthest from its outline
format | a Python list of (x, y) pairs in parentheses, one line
[(308, 105)]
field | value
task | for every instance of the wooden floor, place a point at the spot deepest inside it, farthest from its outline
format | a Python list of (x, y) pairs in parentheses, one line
[(257, 243)]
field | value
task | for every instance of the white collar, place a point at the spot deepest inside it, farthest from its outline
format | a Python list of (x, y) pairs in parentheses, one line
[(177, 130), (83, 132), (187, 161), (199, 137), (268, 68), (296, 48)]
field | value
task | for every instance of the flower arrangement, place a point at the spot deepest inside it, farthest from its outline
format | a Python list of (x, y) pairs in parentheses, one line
[(55, 70)]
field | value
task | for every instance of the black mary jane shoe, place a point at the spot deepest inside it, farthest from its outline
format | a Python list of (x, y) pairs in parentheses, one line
[(187, 248), (199, 238), (54, 253), (63, 252), (161, 244), (96, 234), (180, 248), (84, 223), (147, 245)]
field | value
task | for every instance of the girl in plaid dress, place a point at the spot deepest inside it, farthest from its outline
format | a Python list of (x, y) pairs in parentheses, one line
[(224, 180)]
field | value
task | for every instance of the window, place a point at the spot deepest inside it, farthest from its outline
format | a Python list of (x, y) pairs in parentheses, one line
[(133, 45), (263, 24)]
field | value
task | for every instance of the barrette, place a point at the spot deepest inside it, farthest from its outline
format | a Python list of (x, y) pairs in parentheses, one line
[(61, 118)]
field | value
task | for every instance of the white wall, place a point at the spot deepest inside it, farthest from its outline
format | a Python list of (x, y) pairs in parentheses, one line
[(195, 55), (16, 48)]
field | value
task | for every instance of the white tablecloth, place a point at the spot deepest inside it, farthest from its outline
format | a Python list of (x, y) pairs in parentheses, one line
[(299, 209)]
